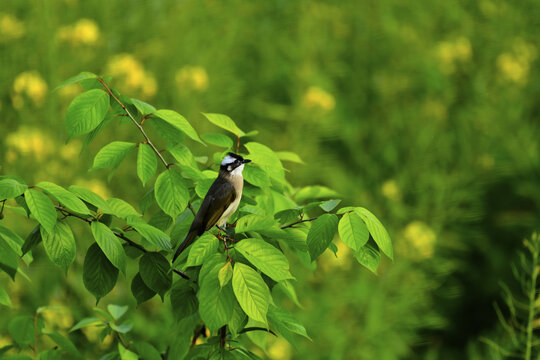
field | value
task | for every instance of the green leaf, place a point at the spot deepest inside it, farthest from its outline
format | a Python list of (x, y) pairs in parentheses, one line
[(225, 274), (161, 220), (125, 354), (63, 342), (282, 319), (41, 207), (320, 234), (171, 193), (314, 192), (353, 231), (60, 246), (85, 112), (12, 239), (92, 134), (238, 320), (267, 160), (147, 351), (21, 329), (90, 197), (4, 298), (179, 122), (9, 260), (152, 235), (288, 289), (289, 156), (75, 79), (218, 140), (11, 188), (329, 205), (64, 197), (166, 131), (251, 292), (112, 154), (183, 300), (110, 245), (181, 154), (265, 257), (117, 311), (201, 249), (142, 107), (224, 122), (140, 291), (256, 176), (215, 303), (369, 256), (99, 274), (121, 208), (377, 231), (254, 222), (155, 272), (203, 186), (146, 163), (86, 322), (51, 354)]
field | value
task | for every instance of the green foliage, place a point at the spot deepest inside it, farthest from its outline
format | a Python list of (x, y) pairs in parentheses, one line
[(227, 289)]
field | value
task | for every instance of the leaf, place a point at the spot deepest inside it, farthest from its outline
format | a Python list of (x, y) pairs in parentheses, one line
[(4, 298), (166, 131), (225, 274), (254, 222), (125, 354), (183, 300), (85, 112), (205, 246), (288, 289), (215, 303), (21, 329), (256, 176), (146, 163), (12, 239), (121, 208), (11, 188), (140, 291), (152, 235), (320, 234), (203, 186), (218, 140), (99, 274), (63, 342), (9, 260), (280, 318), (224, 122), (181, 154), (238, 320), (110, 245), (90, 197), (267, 160), (112, 154), (41, 207), (155, 272), (147, 351), (251, 292), (179, 122), (369, 256), (86, 322), (377, 231), (142, 107), (64, 197), (92, 134), (314, 192), (265, 257), (329, 205), (75, 79), (117, 311), (289, 156), (353, 231), (171, 193), (60, 245)]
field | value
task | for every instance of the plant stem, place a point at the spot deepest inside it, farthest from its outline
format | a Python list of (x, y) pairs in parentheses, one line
[(139, 126), (298, 222)]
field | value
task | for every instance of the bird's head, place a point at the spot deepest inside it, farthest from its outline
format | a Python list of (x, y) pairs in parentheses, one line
[(233, 164)]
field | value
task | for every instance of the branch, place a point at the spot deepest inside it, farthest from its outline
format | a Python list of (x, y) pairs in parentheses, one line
[(181, 273), (298, 222), (254, 328), (139, 126)]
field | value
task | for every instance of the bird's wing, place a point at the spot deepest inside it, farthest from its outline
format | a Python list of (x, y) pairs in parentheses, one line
[(220, 195)]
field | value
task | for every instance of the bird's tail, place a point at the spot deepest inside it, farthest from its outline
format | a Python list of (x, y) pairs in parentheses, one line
[(187, 241)]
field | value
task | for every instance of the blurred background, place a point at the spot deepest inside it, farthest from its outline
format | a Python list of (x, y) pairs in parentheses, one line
[(425, 112)]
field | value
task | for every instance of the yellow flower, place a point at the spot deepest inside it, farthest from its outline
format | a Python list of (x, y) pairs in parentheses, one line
[(192, 78), (10, 28), (419, 240), (96, 186), (131, 76), (514, 66), (391, 190), (83, 32), (317, 98), (451, 53), (31, 85), (29, 142)]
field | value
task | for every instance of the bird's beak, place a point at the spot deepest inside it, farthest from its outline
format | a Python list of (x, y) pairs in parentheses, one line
[(245, 161)]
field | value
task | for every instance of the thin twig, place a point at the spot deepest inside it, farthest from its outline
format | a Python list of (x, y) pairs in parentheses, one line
[(298, 222), (129, 241), (181, 273), (139, 126)]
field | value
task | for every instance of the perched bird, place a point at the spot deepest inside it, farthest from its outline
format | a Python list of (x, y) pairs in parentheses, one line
[(221, 200)]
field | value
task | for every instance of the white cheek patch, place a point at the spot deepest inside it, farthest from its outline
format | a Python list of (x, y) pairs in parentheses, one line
[(228, 160), (238, 171)]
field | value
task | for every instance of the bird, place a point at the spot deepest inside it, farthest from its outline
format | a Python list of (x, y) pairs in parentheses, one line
[(221, 200)]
